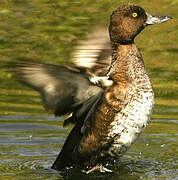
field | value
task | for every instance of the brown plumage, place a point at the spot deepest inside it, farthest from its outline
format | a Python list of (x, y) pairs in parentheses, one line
[(108, 118)]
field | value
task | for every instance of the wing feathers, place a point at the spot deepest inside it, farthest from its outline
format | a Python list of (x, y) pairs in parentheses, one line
[(94, 53), (60, 86)]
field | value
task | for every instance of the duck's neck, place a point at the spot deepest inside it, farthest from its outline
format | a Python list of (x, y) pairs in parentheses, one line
[(127, 66)]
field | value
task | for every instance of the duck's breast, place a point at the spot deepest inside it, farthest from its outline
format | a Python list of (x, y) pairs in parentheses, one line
[(131, 121)]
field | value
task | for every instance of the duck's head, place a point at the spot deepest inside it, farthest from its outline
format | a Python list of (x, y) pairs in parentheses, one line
[(129, 20)]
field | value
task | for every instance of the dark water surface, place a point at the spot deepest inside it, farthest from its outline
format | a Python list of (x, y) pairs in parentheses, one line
[(48, 31), (29, 145)]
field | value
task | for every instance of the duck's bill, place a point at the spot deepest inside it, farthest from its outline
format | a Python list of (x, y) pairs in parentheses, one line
[(154, 19)]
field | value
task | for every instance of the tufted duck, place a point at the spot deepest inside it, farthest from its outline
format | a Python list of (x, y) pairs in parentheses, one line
[(109, 112)]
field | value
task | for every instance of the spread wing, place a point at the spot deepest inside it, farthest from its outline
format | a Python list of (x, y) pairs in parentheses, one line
[(70, 89), (94, 53), (69, 154), (62, 88)]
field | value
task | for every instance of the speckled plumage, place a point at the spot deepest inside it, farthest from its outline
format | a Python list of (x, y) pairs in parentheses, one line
[(126, 105), (109, 112), (138, 100)]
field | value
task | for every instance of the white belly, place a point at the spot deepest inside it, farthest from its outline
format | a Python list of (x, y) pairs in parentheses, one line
[(130, 122)]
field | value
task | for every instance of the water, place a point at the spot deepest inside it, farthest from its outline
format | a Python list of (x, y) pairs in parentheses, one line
[(47, 31), (28, 147)]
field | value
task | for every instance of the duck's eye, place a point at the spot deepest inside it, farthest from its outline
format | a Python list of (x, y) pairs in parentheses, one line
[(134, 14)]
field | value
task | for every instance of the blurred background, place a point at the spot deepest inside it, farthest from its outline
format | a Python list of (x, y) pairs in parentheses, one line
[(49, 31)]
